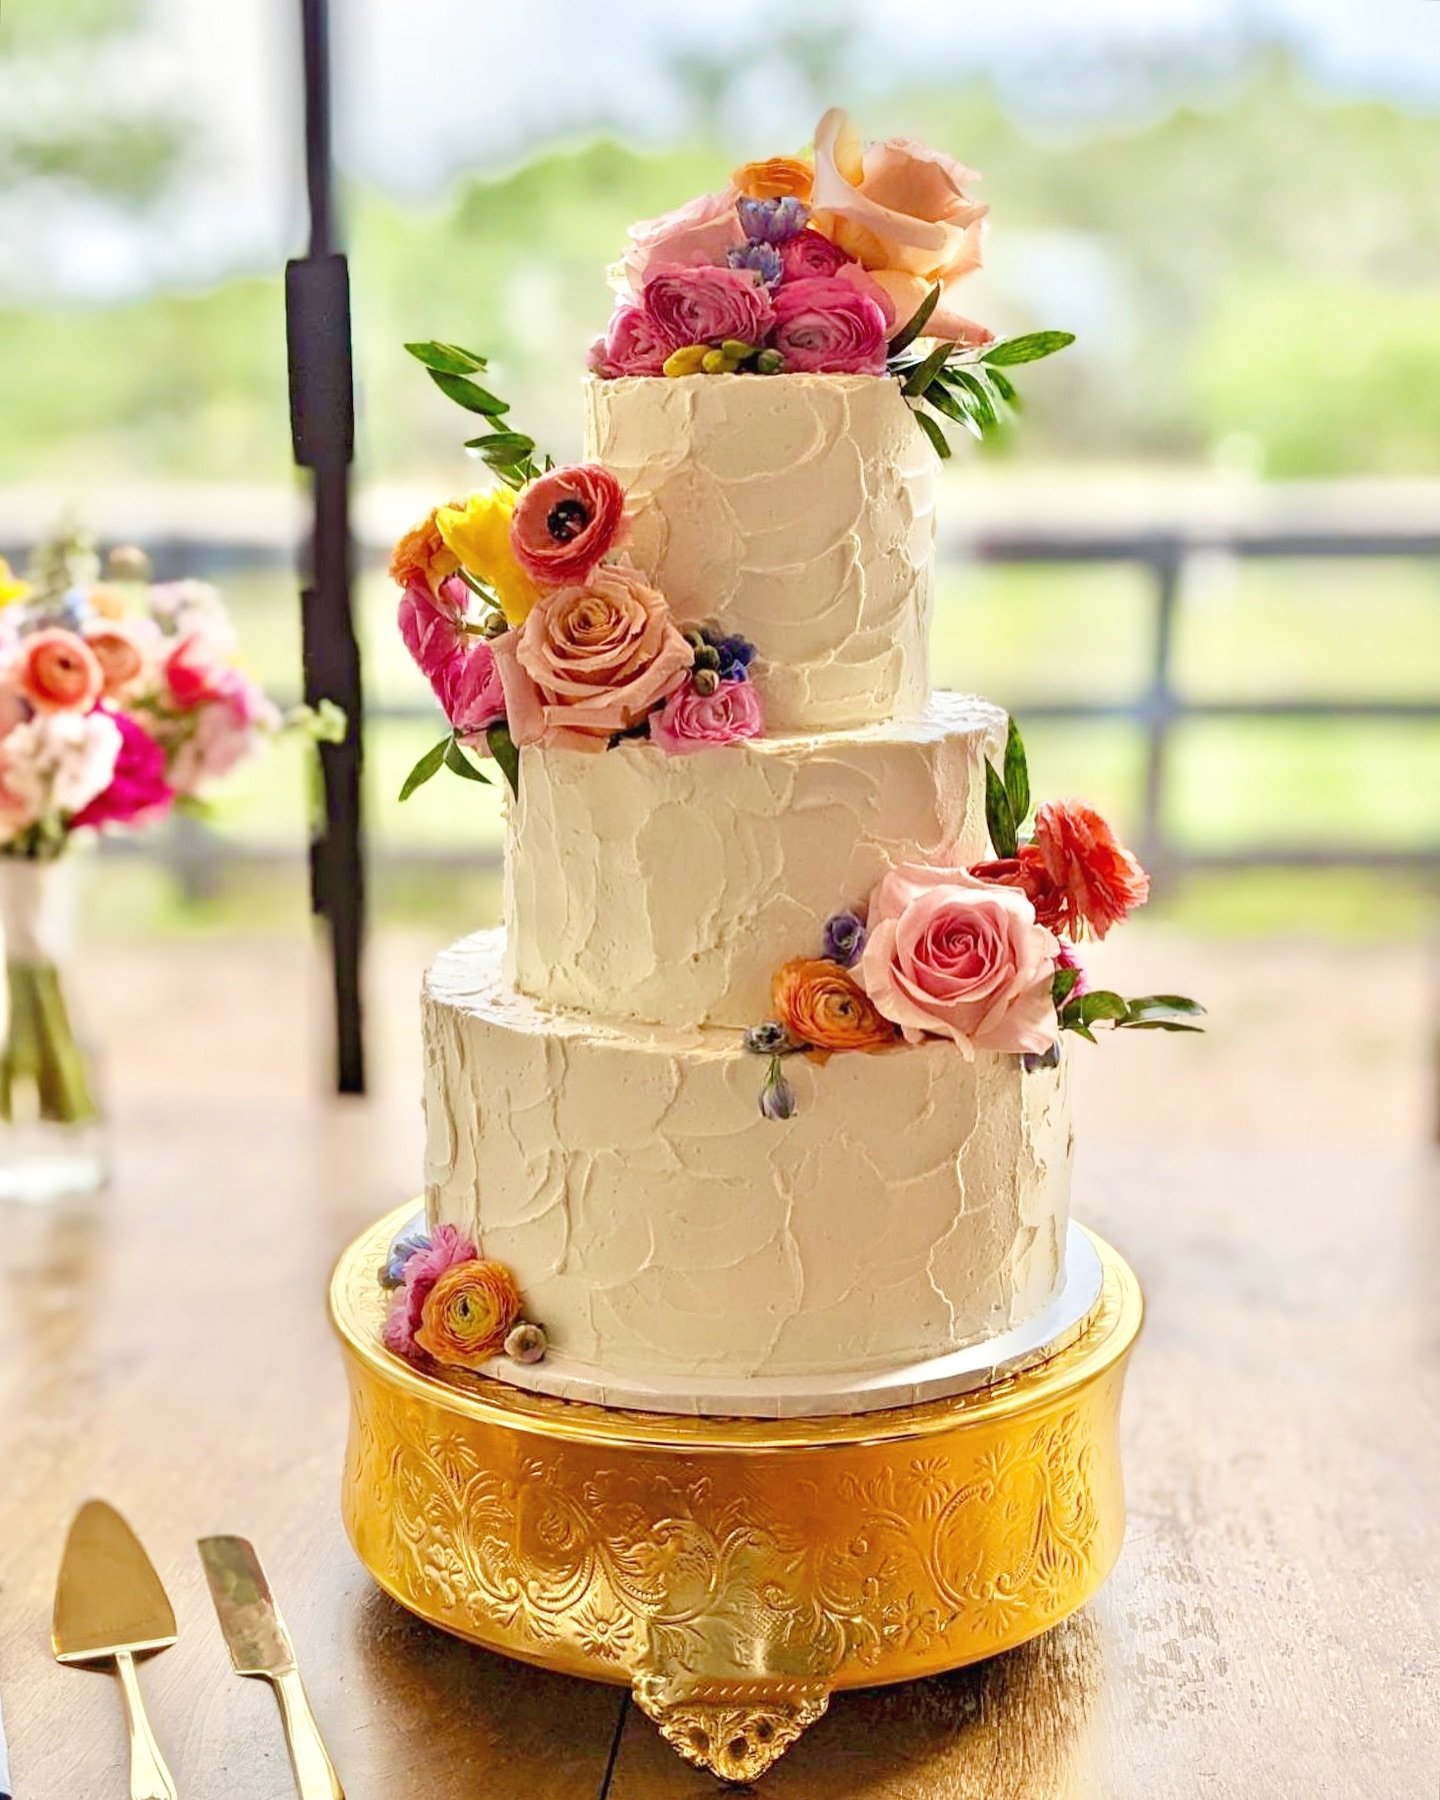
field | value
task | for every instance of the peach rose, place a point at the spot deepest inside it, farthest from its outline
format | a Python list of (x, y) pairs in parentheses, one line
[(591, 661), (120, 648), (901, 211), (57, 671), (1097, 877), (774, 178), (949, 956), (821, 1004), (700, 231), (468, 1314), (422, 555)]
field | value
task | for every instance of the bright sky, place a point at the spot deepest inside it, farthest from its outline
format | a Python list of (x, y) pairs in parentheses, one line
[(429, 87)]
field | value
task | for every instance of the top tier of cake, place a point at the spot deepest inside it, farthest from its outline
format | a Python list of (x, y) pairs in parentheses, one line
[(796, 510)]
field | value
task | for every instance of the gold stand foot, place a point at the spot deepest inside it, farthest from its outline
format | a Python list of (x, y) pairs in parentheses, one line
[(736, 1730)]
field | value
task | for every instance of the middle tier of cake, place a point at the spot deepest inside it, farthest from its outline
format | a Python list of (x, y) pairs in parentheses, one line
[(669, 889)]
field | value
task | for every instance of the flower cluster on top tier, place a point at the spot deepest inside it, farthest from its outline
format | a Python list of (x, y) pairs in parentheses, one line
[(532, 627), (973, 955), (119, 697), (451, 1306)]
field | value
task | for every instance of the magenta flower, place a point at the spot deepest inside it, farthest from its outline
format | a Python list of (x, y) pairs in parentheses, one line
[(825, 325), (807, 253), (138, 792), (422, 1270), (460, 668), (707, 305), (633, 344)]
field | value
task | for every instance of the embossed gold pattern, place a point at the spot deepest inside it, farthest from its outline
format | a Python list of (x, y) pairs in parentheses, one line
[(735, 1572)]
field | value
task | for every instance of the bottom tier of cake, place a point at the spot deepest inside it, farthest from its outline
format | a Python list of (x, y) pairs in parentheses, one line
[(658, 1225)]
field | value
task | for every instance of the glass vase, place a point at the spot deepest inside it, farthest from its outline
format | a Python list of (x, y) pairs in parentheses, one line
[(52, 1136)]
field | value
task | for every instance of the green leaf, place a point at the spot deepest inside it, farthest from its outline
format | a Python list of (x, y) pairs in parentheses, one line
[(945, 402), (982, 405), (1017, 774), (916, 323), (503, 749), (1156, 1025), (1163, 1012), (468, 394), (449, 359), (460, 764), (1062, 985), (1004, 387), (429, 765), (1079, 1030), (1089, 1008), (925, 372), (934, 433), (1031, 348), (510, 445), (999, 814)]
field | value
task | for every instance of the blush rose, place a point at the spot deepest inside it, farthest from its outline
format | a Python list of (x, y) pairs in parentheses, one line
[(690, 721)]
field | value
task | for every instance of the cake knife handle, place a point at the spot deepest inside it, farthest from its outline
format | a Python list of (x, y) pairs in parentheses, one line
[(149, 1778), (315, 1775)]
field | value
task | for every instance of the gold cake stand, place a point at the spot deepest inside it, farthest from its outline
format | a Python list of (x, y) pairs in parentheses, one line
[(734, 1572)]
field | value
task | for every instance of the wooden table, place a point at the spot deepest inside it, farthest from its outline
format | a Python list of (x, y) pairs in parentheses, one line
[(1270, 1632)]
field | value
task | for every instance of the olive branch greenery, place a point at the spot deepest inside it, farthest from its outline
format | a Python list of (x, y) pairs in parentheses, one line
[(508, 454), (966, 384)]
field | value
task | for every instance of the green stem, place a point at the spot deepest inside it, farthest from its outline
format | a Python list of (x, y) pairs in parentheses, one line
[(43, 1070)]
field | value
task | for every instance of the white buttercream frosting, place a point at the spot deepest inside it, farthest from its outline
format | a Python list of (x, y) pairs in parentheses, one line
[(642, 885), (658, 1225), (798, 510)]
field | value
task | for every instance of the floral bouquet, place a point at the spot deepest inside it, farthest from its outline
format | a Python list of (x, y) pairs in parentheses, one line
[(120, 701)]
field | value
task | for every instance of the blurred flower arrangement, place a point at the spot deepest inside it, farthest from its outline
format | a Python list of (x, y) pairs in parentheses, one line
[(120, 701), (451, 1306), (982, 956), (836, 263), (531, 625)]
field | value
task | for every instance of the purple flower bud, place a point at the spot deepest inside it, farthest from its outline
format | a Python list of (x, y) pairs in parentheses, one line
[(844, 939), (404, 1247), (767, 1039), (764, 259), (773, 221), (777, 1097), (1030, 1061)]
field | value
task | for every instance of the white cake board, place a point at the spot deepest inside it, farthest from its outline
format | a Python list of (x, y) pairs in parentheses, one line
[(814, 1396)]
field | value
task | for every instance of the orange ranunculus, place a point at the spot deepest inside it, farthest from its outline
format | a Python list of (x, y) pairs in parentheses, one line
[(423, 555), (119, 649), (901, 211), (1100, 880), (57, 671), (775, 178), (821, 1004), (468, 1314)]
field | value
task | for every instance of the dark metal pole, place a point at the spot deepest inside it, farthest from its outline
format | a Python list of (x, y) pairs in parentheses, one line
[(322, 425)]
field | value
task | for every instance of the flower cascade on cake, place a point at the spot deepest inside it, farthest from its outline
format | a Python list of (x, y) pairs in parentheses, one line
[(980, 957), (834, 262), (521, 608), (453, 1307)]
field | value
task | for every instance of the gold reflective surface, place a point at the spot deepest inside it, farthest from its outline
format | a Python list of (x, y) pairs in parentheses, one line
[(108, 1597)]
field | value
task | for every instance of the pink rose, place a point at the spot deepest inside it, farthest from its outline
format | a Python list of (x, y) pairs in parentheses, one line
[(827, 326), (422, 1270), (692, 721), (706, 306), (565, 521), (700, 231), (138, 792), (194, 670), (633, 344), (591, 661), (949, 956), (473, 697), (807, 253), (460, 668)]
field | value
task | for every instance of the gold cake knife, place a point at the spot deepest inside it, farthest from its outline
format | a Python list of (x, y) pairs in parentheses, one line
[(260, 1645), (109, 1603)]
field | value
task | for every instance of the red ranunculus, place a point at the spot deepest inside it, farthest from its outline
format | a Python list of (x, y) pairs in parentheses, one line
[(566, 521), (1099, 880), (1026, 871)]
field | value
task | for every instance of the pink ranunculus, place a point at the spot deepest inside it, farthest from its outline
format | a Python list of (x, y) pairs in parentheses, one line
[(591, 661), (474, 696), (422, 1270), (565, 521), (460, 668), (700, 231), (195, 670), (217, 740), (707, 306), (139, 792), (692, 721), (633, 344), (808, 253), (825, 325), (949, 956)]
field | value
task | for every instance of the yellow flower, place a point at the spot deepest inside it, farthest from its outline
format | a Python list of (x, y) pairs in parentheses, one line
[(478, 532), (468, 1314), (11, 587)]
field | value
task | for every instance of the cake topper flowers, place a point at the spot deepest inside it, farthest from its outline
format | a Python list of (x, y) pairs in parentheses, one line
[(451, 1306), (522, 611), (835, 263), (972, 955)]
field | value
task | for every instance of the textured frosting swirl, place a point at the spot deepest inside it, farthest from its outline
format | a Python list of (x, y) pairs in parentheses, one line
[(669, 889), (659, 1226), (798, 510)]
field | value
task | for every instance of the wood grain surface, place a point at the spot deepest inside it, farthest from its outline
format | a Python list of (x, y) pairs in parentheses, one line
[(1271, 1630)]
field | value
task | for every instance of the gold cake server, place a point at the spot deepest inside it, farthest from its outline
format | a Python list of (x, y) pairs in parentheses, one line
[(260, 1645), (109, 1603)]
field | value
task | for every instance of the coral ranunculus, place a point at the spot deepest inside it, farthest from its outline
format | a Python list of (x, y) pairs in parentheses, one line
[(591, 661), (477, 531), (57, 671), (422, 555), (950, 956), (1100, 881), (468, 1314), (708, 306), (827, 326), (566, 521), (120, 649), (1026, 871), (823, 1005), (775, 178)]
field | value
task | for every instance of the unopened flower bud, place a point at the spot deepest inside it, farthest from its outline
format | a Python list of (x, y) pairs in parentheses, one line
[(128, 562), (526, 1343), (495, 625), (687, 360), (770, 362), (707, 657), (736, 351), (705, 682), (715, 362)]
